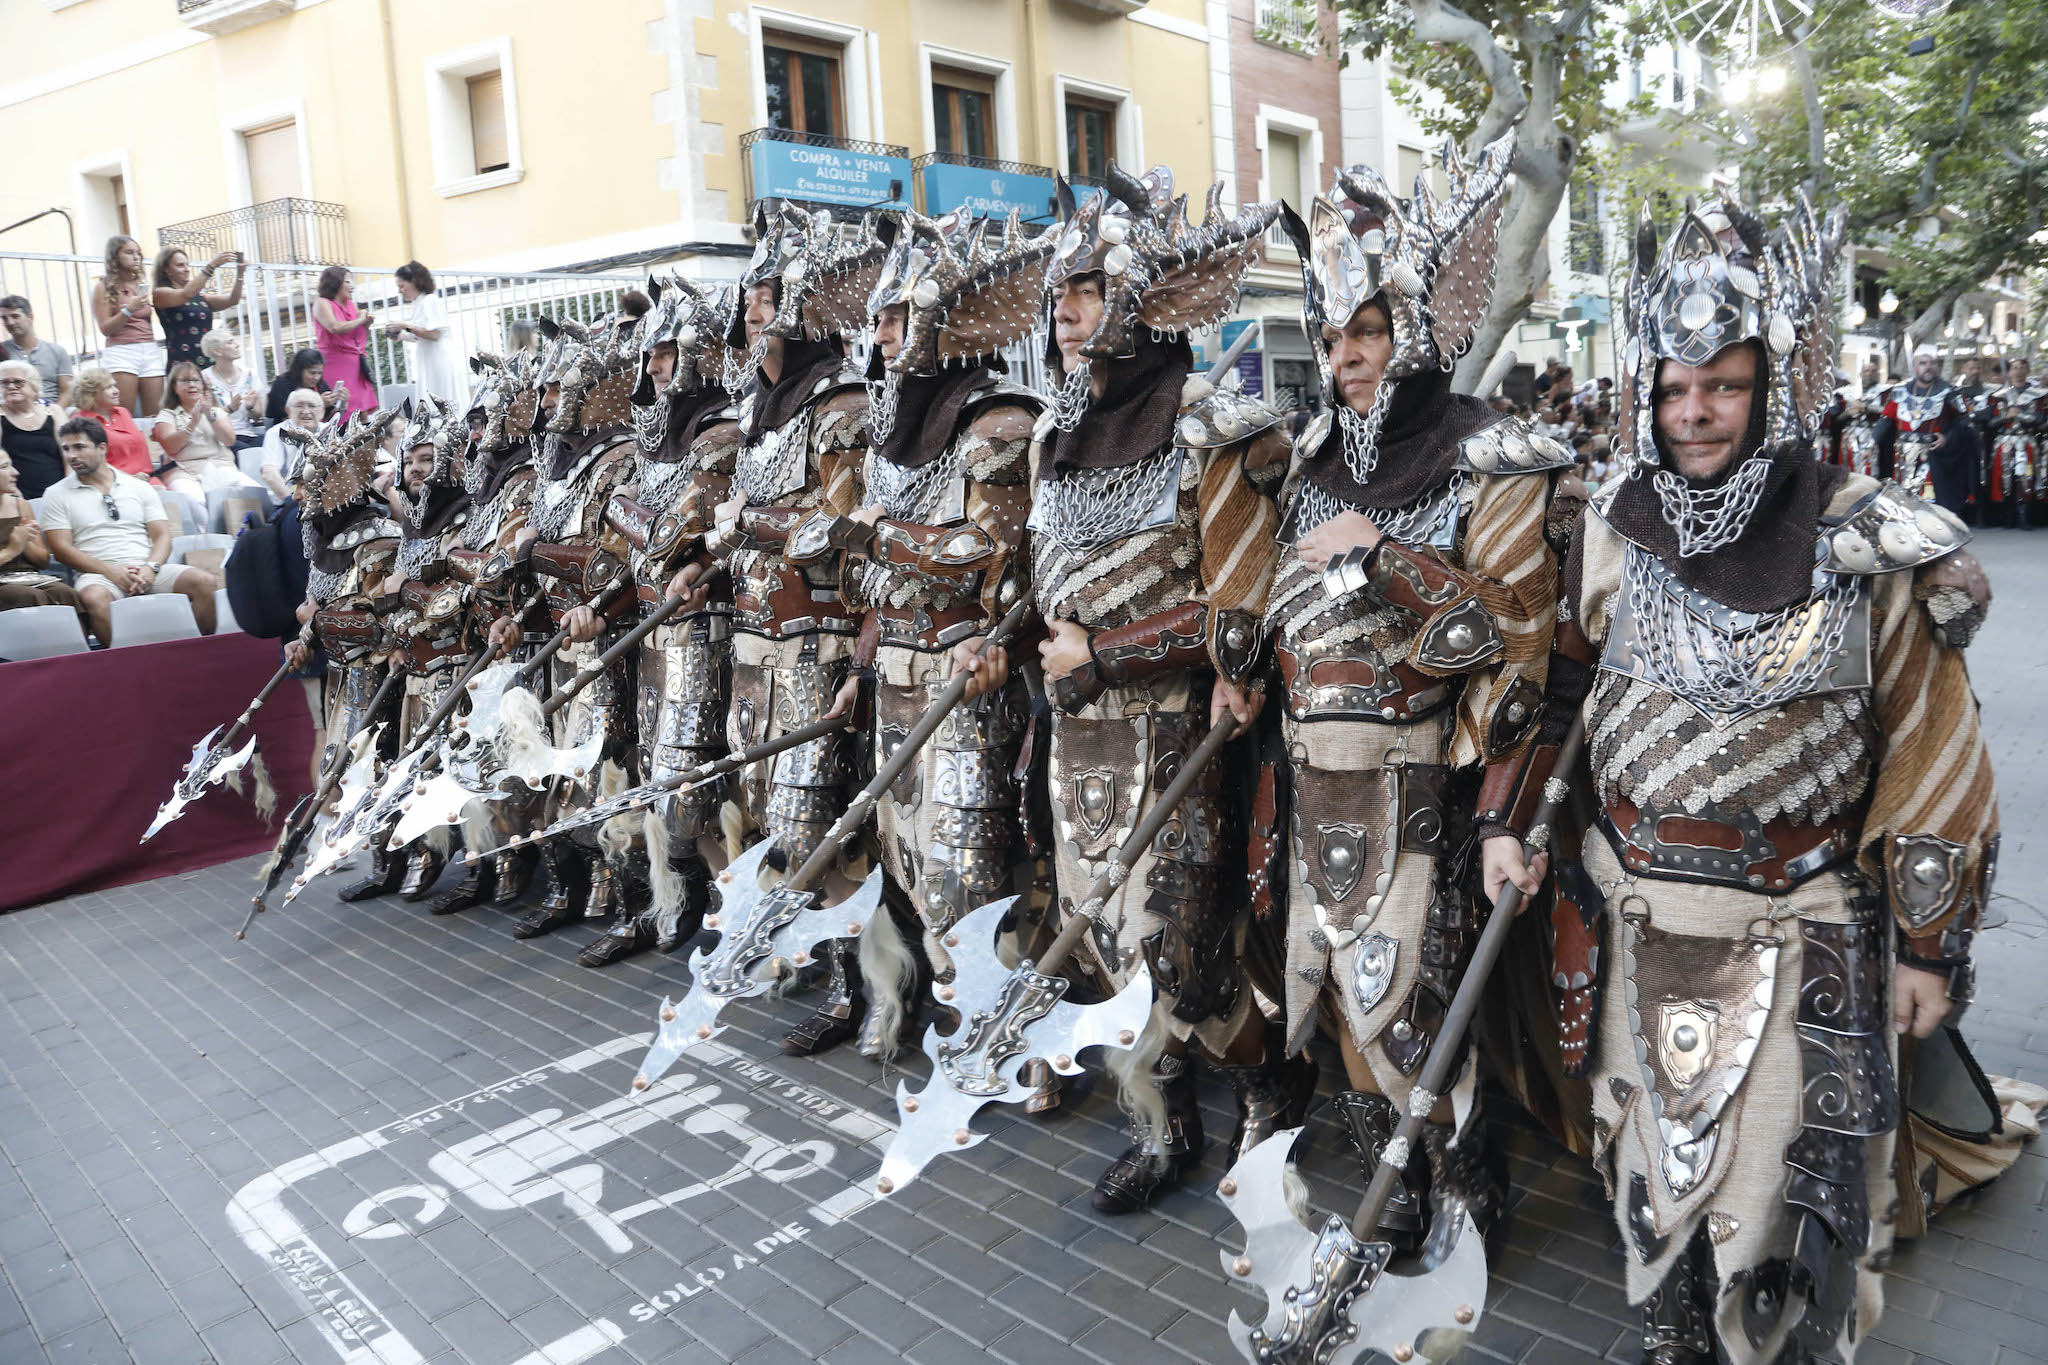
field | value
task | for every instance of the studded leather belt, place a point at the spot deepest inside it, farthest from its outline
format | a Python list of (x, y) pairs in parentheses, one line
[(1745, 853)]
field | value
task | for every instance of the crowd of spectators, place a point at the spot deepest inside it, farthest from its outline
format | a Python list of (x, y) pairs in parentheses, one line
[(1580, 415)]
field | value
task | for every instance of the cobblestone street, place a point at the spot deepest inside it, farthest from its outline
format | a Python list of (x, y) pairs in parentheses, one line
[(368, 1134)]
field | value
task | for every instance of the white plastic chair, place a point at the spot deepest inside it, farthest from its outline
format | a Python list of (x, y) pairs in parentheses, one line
[(182, 545), (224, 615), (153, 619), (40, 633)]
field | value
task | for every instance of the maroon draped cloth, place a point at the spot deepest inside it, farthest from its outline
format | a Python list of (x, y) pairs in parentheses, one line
[(91, 744)]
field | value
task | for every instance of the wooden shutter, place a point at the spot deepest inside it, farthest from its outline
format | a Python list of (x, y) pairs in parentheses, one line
[(273, 153), (487, 122)]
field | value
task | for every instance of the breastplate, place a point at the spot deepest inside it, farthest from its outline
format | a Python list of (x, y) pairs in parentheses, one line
[(772, 465), (557, 501), (1726, 663), (1919, 412)]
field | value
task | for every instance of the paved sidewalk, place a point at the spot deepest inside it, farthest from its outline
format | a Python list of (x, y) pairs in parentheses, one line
[(370, 1135)]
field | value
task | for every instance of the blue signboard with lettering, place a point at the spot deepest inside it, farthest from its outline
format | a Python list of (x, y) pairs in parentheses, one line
[(827, 175), (985, 193)]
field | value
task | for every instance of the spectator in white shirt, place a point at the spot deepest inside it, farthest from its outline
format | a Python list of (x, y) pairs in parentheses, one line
[(236, 389), (111, 529), (278, 458)]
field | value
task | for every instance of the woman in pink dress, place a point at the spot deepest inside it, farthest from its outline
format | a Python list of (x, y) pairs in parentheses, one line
[(341, 332)]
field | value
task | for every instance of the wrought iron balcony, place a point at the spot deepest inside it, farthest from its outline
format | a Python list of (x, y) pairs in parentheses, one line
[(276, 232), (225, 16), (1287, 23)]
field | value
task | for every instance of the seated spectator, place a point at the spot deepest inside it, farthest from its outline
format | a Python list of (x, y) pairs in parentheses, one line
[(28, 428), (276, 462), (52, 362), (197, 436), (306, 371), (23, 553), (110, 527), (128, 449), (237, 390)]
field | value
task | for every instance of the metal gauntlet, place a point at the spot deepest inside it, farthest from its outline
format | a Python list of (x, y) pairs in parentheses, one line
[(1162, 643), (1456, 632)]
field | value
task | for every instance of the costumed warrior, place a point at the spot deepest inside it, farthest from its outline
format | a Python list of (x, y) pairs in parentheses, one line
[(1797, 821), (498, 476), (804, 431), (1412, 627), (572, 554), (1856, 428), (1926, 441), (423, 607), (1152, 549), (2018, 418), (687, 436), (934, 557), (351, 539)]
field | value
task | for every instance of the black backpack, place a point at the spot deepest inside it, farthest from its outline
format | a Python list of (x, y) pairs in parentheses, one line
[(266, 576)]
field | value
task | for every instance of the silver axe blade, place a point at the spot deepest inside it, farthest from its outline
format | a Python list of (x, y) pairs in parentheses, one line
[(756, 928), (352, 799), (204, 769), (979, 1063), (1330, 1297)]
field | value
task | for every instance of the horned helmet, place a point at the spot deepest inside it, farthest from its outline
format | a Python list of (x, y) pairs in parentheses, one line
[(507, 398), (1428, 260), (431, 421), (694, 321), (1159, 269), (969, 287), (823, 270), (594, 369), (341, 461), (1721, 278)]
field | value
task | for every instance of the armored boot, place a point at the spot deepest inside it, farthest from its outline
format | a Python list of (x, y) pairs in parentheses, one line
[(1465, 1186), (1045, 1086), (839, 1016), (1677, 1317), (422, 870), (473, 889), (1271, 1095), (386, 872), (562, 902), (631, 931), (695, 875), (1369, 1121), (514, 872), (1155, 1161), (603, 901)]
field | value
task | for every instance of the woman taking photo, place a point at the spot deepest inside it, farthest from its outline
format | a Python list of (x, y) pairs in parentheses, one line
[(430, 349), (127, 449), (183, 305), (121, 306), (28, 429), (342, 332), (307, 371), (197, 436), (236, 389)]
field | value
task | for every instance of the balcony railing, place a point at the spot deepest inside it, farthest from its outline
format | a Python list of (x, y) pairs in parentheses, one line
[(984, 185), (225, 16), (844, 175), (1287, 23), (277, 231)]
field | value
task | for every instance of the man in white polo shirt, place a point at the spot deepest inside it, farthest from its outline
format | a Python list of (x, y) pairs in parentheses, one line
[(110, 527)]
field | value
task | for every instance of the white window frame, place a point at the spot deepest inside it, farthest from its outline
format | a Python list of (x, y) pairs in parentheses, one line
[(100, 167), (860, 67), (1130, 126), (1310, 131), (235, 151), (454, 146), (931, 55)]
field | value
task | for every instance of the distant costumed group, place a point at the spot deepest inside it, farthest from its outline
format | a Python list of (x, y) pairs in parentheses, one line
[(920, 687)]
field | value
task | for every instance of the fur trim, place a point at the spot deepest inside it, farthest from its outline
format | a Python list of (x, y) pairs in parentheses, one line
[(617, 836), (889, 971), (522, 729), (479, 835), (1137, 1084), (667, 907), (732, 829), (265, 799)]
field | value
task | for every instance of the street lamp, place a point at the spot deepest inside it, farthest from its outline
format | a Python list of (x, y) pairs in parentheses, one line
[(1949, 331), (1858, 315), (1977, 320), (1735, 87), (1772, 80), (1889, 304)]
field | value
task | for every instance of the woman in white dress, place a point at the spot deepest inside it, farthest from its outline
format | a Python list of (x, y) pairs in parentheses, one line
[(431, 352)]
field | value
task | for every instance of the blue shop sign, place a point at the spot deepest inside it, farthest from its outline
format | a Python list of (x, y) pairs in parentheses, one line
[(985, 193), (826, 175)]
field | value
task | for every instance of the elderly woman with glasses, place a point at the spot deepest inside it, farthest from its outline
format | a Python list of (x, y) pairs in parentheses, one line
[(28, 428)]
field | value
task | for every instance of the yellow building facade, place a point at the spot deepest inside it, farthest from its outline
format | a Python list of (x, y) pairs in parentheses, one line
[(542, 134)]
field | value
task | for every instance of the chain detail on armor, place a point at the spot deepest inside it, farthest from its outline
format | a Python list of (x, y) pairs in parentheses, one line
[(1744, 661), (1710, 519), (774, 465), (650, 423), (1070, 400), (1362, 434), (1085, 508), (883, 396)]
